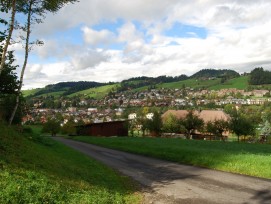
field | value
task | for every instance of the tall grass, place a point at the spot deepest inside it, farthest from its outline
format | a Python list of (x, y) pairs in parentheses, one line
[(36, 169), (242, 158)]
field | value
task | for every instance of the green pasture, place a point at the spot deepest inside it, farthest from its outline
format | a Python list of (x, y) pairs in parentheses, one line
[(35, 169), (242, 158), (98, 92)]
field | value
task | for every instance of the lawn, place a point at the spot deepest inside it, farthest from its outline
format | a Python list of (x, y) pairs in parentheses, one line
[(242, 158), (35, 169)]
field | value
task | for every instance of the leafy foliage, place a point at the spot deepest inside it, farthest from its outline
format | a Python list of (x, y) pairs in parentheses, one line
[(259, 76), (217, 127), (241, 125), (171, 124), (220, 73), (191, 123), (137, 82), (51, 126), (68, 87)]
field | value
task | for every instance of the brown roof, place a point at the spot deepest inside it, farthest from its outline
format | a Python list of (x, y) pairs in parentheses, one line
[(206, 115), (212, 115)]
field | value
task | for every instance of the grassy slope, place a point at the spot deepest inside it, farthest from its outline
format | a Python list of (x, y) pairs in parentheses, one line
[(30, 92), (192, 83), (97, 93), (39, 170), (243, 158), (238, 83)]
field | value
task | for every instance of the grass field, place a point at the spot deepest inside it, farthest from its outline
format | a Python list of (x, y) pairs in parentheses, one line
[(36, 169), (238, 83), (242, 158), (30, 92), (192, 83), (96, 93)]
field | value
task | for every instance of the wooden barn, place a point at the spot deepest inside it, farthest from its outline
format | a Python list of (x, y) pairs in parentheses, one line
[(107, 129)]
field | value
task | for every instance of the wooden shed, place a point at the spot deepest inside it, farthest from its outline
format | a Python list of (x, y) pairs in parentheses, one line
[(107, 129)]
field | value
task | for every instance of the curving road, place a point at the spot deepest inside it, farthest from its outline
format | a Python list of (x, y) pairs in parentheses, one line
[(167, 182)]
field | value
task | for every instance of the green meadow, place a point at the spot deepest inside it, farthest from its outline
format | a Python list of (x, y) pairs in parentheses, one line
[(97, 93), (238, 83), (35, 169), (241, 158)]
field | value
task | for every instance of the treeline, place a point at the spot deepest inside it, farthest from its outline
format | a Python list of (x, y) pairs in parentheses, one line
[(216, 73), (259, 76), (137, 82), (69, 87)]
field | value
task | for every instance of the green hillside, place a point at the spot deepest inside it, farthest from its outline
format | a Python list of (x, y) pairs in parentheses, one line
[(97, 93), (35, 169), (238, 83), (27, 93), (192, 83)]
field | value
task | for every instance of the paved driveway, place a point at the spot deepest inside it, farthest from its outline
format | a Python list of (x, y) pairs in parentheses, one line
[(167, 182)]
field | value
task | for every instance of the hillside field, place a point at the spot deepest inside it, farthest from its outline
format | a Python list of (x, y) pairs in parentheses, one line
[(35, 169)]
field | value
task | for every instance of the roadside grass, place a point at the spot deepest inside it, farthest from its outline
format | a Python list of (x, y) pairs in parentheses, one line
[(35, 169), (242, 158)]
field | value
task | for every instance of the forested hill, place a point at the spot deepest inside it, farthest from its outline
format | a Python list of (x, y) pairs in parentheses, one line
[(68, 87), (216, 73), (259, 76), (137, 82)]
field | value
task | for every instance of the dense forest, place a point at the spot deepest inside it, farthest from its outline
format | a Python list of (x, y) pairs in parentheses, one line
[(69, 87), (220, 73), (259, 76), (137, 82)]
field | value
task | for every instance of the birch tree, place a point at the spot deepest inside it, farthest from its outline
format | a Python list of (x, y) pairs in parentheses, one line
[(35, 11)]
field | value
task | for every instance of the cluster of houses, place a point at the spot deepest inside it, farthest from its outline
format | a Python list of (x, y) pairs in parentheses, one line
[(111, 108)]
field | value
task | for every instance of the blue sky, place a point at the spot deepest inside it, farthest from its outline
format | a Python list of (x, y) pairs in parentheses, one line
[(112, 40)]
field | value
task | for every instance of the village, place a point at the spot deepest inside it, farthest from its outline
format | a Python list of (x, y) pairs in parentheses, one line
[(125, 105)]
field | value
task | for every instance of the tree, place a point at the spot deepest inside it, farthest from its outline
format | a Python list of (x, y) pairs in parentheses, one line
[(8, 88), (217, 127), (266, 129), (154, 125), (241, 125), (69, 128), (51, 126), (191, 123), (34, 10), (171, 124), (5, 6)]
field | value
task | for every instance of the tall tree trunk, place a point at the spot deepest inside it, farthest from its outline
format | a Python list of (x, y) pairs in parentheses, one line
[(11, 27), (25, 62)]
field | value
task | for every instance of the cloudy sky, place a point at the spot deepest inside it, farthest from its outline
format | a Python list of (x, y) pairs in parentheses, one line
[(112, 40)]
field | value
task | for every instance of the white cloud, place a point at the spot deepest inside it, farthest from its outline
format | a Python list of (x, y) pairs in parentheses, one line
[(88, 59), (238, 37), (95, 38)]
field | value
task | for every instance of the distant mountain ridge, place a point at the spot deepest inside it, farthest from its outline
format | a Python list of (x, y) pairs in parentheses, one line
[(205, 78), (217, 73)]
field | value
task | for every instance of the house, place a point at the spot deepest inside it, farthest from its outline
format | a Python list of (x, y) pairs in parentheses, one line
[(107, 129), (205, 115)]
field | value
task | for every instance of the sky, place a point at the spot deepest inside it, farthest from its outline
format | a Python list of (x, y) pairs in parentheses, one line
[(113, 40)]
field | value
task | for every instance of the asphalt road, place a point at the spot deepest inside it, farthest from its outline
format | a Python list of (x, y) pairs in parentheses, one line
[(167, 182)]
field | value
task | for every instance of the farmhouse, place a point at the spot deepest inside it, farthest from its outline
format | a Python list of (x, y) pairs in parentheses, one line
[(205, 115), (107, 129)]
